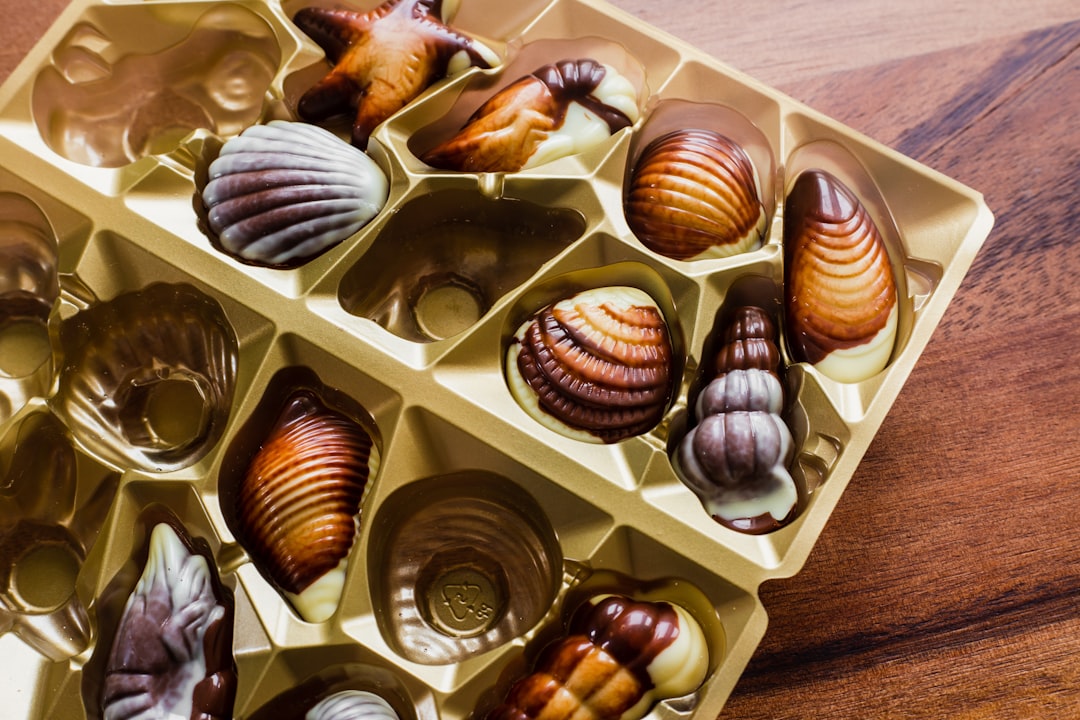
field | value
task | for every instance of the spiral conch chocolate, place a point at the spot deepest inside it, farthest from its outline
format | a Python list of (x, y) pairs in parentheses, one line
[(596, 366), (299, 502), (618, 659), (279, 194), (735, 458), (841, 298), (694, 194)]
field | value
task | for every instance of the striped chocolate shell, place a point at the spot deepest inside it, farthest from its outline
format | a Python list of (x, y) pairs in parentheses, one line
[(299, 501), (841, 299), (282, 193), (694, 194), (596, 366), (352, 705)]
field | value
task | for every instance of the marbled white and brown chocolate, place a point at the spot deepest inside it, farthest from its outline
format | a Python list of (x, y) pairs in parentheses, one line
[(299, 501), (557, 110), (840, 293), (596, 366), (694, 194), (619, 657)]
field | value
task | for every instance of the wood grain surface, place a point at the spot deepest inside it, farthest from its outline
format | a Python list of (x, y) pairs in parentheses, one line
[(947, 583)]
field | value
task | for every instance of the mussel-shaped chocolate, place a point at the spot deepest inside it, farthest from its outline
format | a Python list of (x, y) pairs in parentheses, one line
[(617, 660), (352, 705), (735, 457), (841, 299), (148, 377), (694, 194), (558, 110), (282, 193), (299, 501), (596, 366), (172, 653)]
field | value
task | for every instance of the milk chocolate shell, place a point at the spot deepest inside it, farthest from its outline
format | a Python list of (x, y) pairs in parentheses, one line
[(559, 110), (619, 657), (299, 502), (279, 194), (694, 194), (383, 59), (171, 657), (596, 366), (841, 300)]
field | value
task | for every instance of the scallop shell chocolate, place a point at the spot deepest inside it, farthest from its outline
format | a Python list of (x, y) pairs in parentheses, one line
[(558, 110), (694, 194), (282, 193), (618, 658), (172, 653), (352, 705), (299, 502), (596, 366), (841, 298)]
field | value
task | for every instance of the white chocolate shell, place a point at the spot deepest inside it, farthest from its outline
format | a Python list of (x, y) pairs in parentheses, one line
[(299, 502), (279, 194), (841, 299), (596, 366), (693, 194), (558, 110), (352, 705)]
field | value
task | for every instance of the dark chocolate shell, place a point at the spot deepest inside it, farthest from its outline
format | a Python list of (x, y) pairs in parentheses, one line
[(841, 299), (596, 366), (279, 194), (694, 194), (299, 501), (619, 657)]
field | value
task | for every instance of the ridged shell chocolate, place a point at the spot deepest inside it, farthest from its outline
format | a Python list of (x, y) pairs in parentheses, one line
[(558, 110), (841, 299), (694, 194), (282, 193), (299, 501), (618, 658), (736, 453), (596, 366), (352, 705)]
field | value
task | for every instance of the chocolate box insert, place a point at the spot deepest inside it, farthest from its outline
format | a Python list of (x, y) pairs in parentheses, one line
[(149, 364)]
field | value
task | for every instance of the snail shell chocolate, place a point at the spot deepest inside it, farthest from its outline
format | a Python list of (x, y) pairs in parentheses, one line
[(841, 300), (352, 705), (171, 657), (596, 366), (694, 194), (735, 457), (279, 194), (299, 502), (619, 658), (558, 110)]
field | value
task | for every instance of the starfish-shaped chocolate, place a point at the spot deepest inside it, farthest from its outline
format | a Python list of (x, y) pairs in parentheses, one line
[(383, 59)]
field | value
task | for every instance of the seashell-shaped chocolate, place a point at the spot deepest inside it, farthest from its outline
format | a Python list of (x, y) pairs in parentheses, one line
[(282, 193), (694, 194), (618, 659), (352, 705), (735, 457), (148, 377), (558, 110), (841, 299), (596, 366), (299, 502), (172, 653)]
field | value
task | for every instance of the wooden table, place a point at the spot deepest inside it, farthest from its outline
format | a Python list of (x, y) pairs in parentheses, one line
[(947, 583)]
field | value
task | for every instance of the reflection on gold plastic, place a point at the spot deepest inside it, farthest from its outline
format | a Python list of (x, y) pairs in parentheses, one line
[(409, 319)]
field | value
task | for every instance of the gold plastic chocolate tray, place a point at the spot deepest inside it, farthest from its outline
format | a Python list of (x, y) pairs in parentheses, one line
[(482, 528)]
